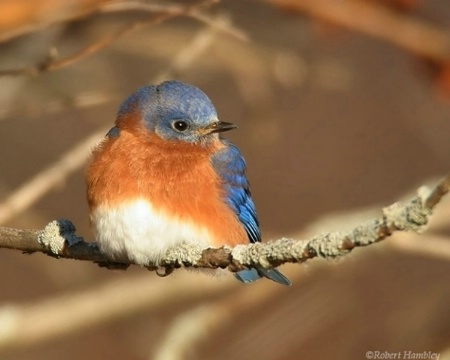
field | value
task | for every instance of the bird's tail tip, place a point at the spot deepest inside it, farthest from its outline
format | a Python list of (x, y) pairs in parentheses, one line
[(251, 275)]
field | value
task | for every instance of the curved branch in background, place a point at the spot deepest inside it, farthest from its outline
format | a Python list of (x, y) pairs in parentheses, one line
[(58, 239), (47, 179), (24, 17), (32, 323), (51, 63), (370, 18), (166, 12)]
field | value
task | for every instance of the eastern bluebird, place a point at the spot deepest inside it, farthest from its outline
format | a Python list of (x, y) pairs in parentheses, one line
[(164, 175)]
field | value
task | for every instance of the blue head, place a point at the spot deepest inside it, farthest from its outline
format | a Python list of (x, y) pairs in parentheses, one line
[(176, 111)]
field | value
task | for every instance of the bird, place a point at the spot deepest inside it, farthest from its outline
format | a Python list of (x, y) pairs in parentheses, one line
[(164, 175)]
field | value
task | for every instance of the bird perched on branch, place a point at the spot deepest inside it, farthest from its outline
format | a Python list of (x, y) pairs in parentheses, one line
[(164, 175)]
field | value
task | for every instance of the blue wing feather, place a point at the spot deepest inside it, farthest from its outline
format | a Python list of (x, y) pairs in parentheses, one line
[(230, 166)]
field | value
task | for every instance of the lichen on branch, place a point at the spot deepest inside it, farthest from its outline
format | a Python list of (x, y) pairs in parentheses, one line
[(58, 239)]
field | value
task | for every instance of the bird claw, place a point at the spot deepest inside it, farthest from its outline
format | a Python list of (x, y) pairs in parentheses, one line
[(164, 271)]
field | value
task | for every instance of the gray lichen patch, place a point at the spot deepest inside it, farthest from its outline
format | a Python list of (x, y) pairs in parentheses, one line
[(56, 234), (185, 253)]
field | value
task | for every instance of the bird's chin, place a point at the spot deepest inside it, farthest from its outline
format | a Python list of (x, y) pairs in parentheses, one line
[(208, 140)]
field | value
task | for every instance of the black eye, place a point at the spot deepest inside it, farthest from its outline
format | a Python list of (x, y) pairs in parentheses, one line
[(180, 125)]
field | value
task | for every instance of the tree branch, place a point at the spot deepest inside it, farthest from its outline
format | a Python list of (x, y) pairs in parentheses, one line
[(59, 240), (38, 321), (415, 36), (166, 12), (49, 177)]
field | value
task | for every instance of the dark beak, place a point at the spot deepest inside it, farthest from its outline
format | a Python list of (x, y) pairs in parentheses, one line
[(221, 126)]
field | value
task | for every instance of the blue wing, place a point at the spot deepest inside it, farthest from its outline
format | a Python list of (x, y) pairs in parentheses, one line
[(230, 166)]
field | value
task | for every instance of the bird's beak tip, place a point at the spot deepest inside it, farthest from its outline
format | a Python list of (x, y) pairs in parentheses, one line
[(222, 126)]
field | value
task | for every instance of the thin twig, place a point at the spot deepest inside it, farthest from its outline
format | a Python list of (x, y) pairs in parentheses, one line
[(194, 13), (52, 64), (187, 55), (166, 12), (438, 192)]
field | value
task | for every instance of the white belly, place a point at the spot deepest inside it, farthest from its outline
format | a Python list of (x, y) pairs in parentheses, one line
[(139, 232)]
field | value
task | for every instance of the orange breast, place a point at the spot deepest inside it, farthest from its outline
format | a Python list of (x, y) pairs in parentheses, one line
[(175, 177)]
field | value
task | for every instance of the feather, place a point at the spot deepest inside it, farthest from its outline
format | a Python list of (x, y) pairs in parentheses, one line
[(230, 166)]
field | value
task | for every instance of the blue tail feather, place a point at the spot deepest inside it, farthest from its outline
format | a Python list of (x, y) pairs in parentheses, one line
[(251, 275), (247, 276)]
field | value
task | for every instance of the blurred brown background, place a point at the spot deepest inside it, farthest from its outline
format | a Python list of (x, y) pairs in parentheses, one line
[(334, 124)]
